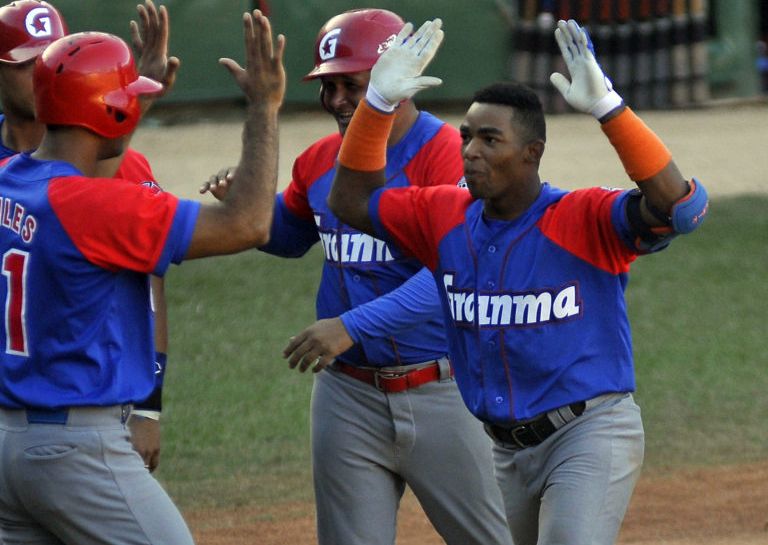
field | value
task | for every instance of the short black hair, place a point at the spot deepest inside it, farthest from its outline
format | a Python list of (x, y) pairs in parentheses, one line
[(528, 112)]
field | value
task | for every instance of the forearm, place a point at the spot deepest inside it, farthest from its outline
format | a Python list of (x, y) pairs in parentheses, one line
[(647, 161), (410, 305), (251, 199), (360, 172)]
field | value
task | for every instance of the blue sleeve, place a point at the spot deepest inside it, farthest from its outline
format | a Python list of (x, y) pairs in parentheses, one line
[(290, 236), (410, 305)]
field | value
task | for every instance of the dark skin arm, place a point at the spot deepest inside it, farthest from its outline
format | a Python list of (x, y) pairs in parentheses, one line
[(662, 190), (349, 196)]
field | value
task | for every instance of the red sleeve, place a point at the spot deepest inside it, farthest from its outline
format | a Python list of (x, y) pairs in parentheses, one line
[(307, 168), (417, 219), (135, 168), (439, 161), (114, 223), (581, 223)]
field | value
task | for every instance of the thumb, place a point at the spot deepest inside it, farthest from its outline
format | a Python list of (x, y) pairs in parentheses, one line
[(230, 65), (423, 82), (560, 82)]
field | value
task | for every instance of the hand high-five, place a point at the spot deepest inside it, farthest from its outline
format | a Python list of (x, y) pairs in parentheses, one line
[(263, 78), (396, 76), (589, 90)]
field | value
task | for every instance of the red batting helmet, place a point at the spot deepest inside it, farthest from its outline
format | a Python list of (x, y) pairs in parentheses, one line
[(26, 28), (89, 79), (352, 41)]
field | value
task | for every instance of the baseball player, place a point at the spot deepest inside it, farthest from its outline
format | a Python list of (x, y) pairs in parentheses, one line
[(26, 28), (387, 411), (76, 255), (531, 279)]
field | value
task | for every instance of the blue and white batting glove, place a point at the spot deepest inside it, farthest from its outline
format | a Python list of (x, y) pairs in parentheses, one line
[(396, 76), (589, 90)]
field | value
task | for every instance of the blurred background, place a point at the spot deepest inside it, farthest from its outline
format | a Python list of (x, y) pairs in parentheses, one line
[(660, 54)]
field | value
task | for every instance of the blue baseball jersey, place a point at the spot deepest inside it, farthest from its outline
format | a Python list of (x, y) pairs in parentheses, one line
[(534, 307), (358, 268), (77, 252)]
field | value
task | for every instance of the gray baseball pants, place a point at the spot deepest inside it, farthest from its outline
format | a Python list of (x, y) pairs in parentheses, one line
[(367, 445), (80, 483), (574, 488)]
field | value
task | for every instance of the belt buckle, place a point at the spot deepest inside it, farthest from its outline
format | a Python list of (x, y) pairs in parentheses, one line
[(513, 433), (379, 375)]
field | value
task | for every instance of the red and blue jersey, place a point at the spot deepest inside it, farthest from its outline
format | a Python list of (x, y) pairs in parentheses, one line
[(534, 307), (360, 271), (76, 253)]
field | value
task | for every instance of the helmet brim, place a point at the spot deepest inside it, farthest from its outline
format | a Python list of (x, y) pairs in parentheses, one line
[(22, 54), (341, 66)]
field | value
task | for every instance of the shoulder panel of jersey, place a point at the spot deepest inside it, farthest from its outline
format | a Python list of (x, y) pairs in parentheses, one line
[(417, 218), (581, 224), (135, 168), (119, 225), (438, 161), (316, 160)]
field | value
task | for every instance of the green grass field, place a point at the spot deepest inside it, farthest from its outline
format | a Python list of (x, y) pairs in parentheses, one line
[(236, 418)]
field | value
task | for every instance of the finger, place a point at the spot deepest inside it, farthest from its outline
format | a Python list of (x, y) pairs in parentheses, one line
[(231, 65), (561, 37), (430, 33), (309, 360), (424, 82), (560, 82), (265, 34), (136, 41), (293, 342), (322, 364), (404, 33), (431, 47)]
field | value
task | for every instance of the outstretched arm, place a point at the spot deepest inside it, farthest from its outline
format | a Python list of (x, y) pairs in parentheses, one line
[(396, 76), (243, 218), (408, 306), (669, 202)]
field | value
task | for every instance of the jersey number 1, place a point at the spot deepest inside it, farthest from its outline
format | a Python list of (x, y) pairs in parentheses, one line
[(15, 272)]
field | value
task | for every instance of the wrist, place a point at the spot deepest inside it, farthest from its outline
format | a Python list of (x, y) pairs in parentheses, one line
[(375, 99), (607, 104)]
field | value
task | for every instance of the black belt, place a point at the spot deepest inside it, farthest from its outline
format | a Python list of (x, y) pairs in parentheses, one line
[(531, 433)]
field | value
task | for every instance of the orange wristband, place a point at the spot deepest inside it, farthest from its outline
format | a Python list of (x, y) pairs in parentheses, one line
[(364, 146), (642, 153)]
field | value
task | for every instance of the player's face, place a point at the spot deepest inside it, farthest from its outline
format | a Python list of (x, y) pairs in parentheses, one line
[(342, 93), (16, 89), (493, 152)]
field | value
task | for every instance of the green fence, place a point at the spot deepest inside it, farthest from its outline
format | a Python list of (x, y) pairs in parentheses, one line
[(478, 49)]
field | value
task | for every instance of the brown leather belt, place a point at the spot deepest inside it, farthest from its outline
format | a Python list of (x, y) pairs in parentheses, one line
[(392, 381)]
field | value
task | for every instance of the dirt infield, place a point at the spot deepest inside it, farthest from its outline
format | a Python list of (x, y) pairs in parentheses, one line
[(723, 146)]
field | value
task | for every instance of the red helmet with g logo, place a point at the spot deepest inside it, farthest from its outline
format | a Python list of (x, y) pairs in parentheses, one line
[(26, 28), (352, 41), (89, 80)]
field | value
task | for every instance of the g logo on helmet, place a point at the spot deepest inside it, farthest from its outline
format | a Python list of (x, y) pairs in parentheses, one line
[(328, 44), (38, 23)]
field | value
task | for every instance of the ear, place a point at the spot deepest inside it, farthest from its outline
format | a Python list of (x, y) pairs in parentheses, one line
[(534, 151)]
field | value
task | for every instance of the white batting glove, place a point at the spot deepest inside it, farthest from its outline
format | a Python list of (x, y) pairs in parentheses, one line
[(396, 76), (589, 90)]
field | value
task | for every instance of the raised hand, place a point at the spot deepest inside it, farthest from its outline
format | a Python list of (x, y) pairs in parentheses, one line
[(150, 38), (396, 76), (588, 90), (263, 78)]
